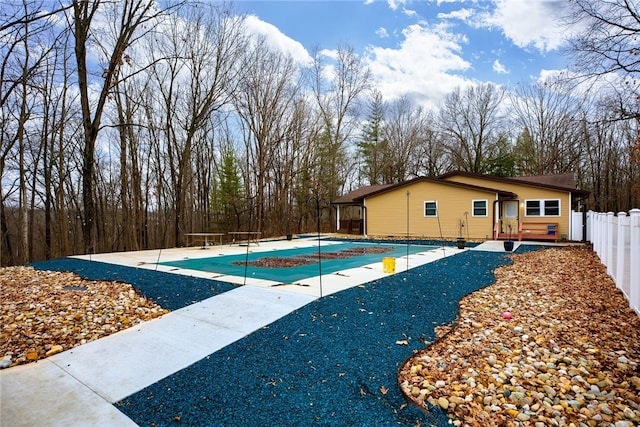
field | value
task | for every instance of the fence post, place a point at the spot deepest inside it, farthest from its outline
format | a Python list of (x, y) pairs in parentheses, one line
[(609, 244), (620, 246), (634, 255), (591, 226), (595, 236), (601, 232)]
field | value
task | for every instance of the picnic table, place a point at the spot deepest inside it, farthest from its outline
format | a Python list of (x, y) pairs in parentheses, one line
[(250, 236), (205, 238)]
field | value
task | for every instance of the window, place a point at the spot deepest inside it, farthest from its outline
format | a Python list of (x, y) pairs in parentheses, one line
[(480, 208), (431, 208), (532, 208), (551, 207), (511, 209), (542, 207)]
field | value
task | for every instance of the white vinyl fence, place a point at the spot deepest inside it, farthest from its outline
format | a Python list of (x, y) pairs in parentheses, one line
[(616, 240)]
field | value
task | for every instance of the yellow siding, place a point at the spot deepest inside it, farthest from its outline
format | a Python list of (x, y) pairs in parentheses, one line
[(386, 213), (527, 192)]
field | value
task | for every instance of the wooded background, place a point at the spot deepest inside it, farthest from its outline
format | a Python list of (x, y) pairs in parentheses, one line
[(125, 125)]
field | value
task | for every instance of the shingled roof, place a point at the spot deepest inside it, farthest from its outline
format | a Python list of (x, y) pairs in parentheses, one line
[(359, 194), (566, 180)]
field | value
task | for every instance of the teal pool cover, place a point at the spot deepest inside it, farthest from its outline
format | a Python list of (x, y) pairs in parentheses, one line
[(235, 264)]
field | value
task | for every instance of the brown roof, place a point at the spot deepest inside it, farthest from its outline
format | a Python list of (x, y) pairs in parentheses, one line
[(566, 180), (359, 194)]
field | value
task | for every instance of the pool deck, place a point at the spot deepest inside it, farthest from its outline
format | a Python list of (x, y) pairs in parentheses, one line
[(315, 286), (78, 387)]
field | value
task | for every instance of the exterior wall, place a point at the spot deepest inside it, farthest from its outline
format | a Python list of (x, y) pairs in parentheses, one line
[(386, 213), (528, 192)]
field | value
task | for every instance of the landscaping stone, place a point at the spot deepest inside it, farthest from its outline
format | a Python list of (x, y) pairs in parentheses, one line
[(568, 356), (44, 312)]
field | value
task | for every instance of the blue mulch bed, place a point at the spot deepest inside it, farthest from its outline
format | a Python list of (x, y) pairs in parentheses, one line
[(167, 290), (333, 362)]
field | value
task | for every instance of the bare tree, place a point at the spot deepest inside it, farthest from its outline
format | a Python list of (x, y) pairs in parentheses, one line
[(25, 52), (132, 17), (195, 80), (471, 123), (608, 38), (337, 99), (264, 100), (406, 131), (430, 156), (548, 116), (607, 44), (605, 166)]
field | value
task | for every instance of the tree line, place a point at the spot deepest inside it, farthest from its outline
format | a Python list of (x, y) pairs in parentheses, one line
[(124, 126)]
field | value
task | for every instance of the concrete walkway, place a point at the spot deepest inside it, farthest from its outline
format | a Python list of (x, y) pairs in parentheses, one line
[(77, 387)]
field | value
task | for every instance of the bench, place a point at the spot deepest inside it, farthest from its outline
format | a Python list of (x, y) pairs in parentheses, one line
[(538, 231), (249, 236), (350, 226), (204, 237)]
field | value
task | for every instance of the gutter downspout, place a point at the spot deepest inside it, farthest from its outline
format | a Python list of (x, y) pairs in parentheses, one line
[(364, 219)]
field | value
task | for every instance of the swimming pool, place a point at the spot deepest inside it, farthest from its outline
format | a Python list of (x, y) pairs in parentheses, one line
[(235, 264)]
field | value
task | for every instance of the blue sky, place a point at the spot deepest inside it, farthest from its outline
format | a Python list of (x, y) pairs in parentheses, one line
[(423, 48)]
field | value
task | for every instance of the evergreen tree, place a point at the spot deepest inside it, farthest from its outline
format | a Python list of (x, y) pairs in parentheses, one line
[(525, 153), (503, 162), (228, 195), (372, 147)]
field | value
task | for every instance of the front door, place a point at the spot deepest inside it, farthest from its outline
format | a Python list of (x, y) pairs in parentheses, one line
[(509, 217)]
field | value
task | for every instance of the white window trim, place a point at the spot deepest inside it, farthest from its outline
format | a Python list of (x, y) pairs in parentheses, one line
[(424, 210), (541, 204), (486, 208)]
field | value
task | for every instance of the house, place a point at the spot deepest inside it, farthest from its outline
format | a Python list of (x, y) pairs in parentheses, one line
[(461, 204)]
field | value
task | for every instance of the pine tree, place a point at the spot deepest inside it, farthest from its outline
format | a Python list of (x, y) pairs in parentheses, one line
[(228, 196), (372, 146)]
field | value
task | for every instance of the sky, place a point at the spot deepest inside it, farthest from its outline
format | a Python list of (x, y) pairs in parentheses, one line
[(422, 49)]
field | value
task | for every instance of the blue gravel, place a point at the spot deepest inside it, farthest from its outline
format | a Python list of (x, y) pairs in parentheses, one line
[(333, 362), (167, 290)]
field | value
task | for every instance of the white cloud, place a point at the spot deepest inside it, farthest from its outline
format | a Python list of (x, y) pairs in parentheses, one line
[(382, 33), (276, 39), (462, 14), (499, 68), (394, 4), (423, 68), (410, 13), (529, 23)]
